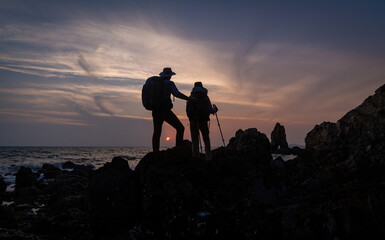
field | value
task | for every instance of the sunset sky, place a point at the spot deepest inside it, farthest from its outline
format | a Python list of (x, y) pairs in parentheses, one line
[(71, 72)]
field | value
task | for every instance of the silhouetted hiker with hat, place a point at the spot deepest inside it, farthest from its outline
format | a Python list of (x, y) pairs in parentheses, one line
[(198, 112), (156, 96)]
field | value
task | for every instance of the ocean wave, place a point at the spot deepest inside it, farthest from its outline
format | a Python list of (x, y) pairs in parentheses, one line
[(12, 158)]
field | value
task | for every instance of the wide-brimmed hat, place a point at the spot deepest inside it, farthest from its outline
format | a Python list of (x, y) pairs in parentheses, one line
[(167, 72)]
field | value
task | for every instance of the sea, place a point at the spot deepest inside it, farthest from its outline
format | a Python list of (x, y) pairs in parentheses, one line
[(12, 158)]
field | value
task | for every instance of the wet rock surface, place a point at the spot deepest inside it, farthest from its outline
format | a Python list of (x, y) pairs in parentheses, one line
[(334, 189)]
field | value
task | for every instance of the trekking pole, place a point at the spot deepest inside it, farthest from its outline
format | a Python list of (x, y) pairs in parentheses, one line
[(200, 141), (220, 129)]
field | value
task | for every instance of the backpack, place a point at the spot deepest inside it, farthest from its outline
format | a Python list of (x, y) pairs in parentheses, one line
[(151, 93), (198, 110)]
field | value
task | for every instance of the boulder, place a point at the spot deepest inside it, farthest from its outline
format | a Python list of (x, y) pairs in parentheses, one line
[(3, 188), (250, 139), (50, 171), (25, 179), (278, 138), (26, 190), (113, 197), (68, 165)]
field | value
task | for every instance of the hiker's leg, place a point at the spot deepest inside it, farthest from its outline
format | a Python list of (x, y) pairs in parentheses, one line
[(194, 138), (157, 120), (173, 120), (203, 127)]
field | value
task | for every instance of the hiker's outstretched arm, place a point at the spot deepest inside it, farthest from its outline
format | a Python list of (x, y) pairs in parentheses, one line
[(175, 92), (182, 96)]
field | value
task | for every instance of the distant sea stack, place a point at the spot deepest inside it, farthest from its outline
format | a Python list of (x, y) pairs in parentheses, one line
[(279, 143), (278, 138)]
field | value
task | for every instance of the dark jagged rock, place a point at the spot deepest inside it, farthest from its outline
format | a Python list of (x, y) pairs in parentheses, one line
[(356, 143), (341, 173), (25, 179), (3, 188), (278, 138), (50, 171), (113, 197), (191, 198), (25, 189), (250, 139), (360, 128), (68, 165)]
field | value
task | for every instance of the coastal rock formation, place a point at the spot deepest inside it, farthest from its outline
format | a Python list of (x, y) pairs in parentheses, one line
[(356, 143), (363, 127), (250, 139), (278, 138), (348, 157), (334, 189)]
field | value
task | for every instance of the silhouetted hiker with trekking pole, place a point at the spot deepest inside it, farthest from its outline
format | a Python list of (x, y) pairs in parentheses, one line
[(156, 96), (198, 113)]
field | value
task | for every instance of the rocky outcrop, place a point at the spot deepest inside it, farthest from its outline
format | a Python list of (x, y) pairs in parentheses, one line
[(250, 139), (113, 197), (186, 198), (356, 143), (345, 162), (360, 128), (53, 206), (278, 138)]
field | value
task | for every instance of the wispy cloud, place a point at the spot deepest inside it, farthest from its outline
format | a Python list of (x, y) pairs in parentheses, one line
[(84, 64), (49, 117), (259, 81)]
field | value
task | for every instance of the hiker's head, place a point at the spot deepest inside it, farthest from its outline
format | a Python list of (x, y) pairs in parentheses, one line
[(167, 73), (198, 84)]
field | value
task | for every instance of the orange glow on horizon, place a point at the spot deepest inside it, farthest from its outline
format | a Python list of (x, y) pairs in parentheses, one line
[(168, 138)]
